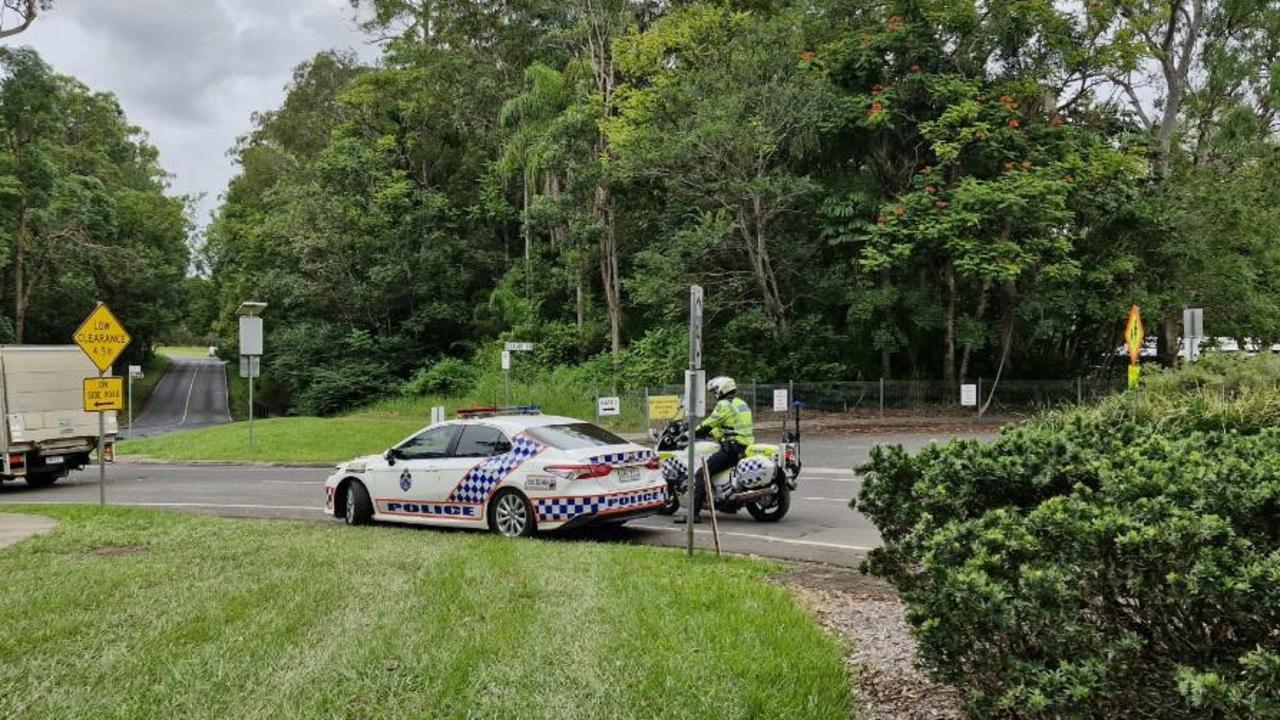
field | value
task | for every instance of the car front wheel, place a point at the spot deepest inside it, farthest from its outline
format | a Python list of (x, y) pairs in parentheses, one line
[(510, 514), (359, 509)]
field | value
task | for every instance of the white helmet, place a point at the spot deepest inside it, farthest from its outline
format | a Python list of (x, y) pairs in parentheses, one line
[(721, 386)]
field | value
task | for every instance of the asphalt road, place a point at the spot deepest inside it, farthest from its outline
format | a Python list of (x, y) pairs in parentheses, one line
[(820, 527), (192, 394)]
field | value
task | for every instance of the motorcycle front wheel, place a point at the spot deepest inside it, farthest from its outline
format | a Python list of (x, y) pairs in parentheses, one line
[(772, 509), (673, 502)]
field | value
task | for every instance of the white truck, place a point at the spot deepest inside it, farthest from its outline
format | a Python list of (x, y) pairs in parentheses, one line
[(45, 432)]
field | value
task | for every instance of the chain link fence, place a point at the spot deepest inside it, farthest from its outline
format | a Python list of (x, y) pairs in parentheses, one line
[(866, 402)]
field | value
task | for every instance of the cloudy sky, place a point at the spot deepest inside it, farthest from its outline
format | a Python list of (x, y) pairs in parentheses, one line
[(191, 72)]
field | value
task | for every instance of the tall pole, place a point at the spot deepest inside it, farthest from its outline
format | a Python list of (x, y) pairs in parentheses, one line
[(251, 404), (130, 405), (102, 458), (692, 390)]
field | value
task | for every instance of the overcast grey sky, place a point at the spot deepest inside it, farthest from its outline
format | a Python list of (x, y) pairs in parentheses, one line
[(190, 72)]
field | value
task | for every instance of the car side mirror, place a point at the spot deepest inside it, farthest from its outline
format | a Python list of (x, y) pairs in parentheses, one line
[(391, 456)]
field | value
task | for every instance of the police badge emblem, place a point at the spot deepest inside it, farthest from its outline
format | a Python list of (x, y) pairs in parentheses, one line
[(406, 480)]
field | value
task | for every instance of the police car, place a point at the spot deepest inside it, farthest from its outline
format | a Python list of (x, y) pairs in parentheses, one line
[(512, 473)]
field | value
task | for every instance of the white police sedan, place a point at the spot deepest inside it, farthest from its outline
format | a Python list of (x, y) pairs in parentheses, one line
[(514, 474)]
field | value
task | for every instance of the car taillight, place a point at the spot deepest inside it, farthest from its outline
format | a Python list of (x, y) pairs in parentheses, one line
[(15, 459), (652, 463), (579, 472)]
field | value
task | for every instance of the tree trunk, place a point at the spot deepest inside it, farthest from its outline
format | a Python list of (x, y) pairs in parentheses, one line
[(528, 244), (968, 349), (886, 357), (20, 293), (609, 267), (751, 228), (1169, 336), (949, 338)]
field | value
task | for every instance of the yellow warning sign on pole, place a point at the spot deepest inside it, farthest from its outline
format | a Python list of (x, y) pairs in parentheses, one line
[(1134, 334), (664, 407), (103, 393), (102, 337)]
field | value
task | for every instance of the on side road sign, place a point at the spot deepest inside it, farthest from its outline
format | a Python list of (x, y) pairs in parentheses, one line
[(102, 337), (103, 393)]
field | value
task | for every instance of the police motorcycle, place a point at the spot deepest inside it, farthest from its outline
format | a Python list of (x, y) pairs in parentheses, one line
[(762, 481)]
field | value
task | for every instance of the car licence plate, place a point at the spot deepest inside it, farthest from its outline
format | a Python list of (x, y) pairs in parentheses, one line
[(53, 460), (628, 474)]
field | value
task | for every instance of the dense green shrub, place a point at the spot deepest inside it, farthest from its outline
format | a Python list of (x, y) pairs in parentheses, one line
[(450, 376), (1114, 561)]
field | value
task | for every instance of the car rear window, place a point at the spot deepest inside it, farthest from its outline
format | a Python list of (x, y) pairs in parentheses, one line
[(574, 436)]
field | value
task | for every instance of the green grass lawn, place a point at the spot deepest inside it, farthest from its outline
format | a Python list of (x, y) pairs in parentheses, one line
[(140, 614), (183, 351), (152, 371), (367, 431), (299, 439)]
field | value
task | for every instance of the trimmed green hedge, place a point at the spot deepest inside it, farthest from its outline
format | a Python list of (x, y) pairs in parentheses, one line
[(1100, 562)]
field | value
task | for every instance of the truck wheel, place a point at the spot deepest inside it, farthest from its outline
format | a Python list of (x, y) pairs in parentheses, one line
[(44, 479)]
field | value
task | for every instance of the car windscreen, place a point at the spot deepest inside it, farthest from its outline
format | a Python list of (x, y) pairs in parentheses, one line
[(574, 436)]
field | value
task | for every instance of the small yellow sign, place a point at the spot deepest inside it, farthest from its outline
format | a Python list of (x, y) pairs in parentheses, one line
[(102, 337), (1134, 334), (103, 393), (664, 407), (1134, 371)]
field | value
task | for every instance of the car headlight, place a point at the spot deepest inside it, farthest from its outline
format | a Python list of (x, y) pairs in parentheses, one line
[(355, 467)]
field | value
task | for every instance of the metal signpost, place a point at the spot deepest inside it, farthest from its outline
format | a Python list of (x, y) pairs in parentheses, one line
[(135, 373), (250, 313), (102, 338), (1193, 331), (506, 365), (695, 404)]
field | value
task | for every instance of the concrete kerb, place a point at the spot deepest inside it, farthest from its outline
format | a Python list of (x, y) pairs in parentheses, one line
[(15, 527), (136, 460)]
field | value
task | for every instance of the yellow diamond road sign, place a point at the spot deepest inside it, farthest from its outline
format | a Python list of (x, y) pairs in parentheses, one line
[(103, 393), (102, 337)]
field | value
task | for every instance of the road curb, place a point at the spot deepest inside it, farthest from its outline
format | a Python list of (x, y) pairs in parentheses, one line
[(15, 527), (139, 460)]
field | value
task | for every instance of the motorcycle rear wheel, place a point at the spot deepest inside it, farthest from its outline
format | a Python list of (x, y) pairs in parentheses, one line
[(774, 508)]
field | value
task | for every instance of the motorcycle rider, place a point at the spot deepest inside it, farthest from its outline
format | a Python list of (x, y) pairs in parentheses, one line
[(730, 424)]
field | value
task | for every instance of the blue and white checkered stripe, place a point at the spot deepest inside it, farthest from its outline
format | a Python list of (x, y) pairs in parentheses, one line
[(563, 509), (480, 481), (673, 468), (623, 458), (753, 472)]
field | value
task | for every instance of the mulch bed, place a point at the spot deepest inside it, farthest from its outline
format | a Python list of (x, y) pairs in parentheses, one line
[(867, 616)]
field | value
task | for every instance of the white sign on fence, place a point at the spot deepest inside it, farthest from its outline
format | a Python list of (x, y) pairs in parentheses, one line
[(506, 359), (607, 406), (780, 400), (969, 395), (519, 347), (437, 414)]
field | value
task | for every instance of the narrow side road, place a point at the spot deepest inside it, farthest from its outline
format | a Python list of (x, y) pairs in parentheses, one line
[(192, 394)]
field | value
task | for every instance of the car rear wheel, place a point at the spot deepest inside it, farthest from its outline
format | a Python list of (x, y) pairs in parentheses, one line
[(359, 509), (510, 514)]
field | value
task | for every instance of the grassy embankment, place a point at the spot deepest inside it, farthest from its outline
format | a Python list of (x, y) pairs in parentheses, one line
[(366, 431), (138, 614), (152, 371)]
